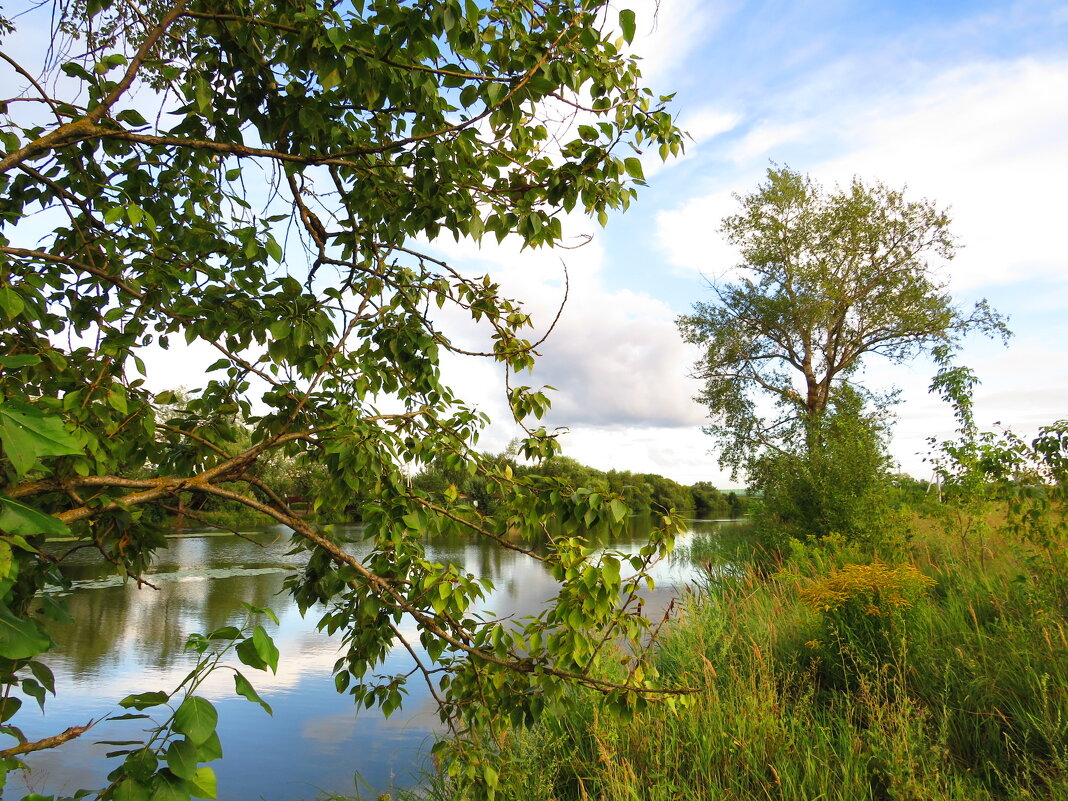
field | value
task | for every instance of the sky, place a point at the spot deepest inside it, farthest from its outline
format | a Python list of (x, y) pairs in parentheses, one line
[(963, 103)]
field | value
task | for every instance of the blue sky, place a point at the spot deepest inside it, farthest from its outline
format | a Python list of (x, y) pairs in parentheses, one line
[(966, 103)]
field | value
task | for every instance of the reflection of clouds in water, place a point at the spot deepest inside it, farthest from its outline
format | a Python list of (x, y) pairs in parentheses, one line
[(330, 731), (419, 712)]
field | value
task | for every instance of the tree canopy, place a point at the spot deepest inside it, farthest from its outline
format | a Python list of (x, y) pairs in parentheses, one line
[(264, 181), (828, 278)]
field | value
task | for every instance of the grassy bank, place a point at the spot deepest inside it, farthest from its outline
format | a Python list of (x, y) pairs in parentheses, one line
[(928, 670)]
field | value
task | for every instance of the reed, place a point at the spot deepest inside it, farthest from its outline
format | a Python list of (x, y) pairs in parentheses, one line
[(913, 671)]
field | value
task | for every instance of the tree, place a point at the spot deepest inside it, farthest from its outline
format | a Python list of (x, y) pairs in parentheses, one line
[(827, 279), (841, 487), (256, 178)]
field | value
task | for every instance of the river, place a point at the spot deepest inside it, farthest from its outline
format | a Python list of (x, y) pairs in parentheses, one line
[(130, 640)]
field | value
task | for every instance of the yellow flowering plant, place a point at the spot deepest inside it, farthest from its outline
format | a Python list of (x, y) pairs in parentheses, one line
[(864, 615)]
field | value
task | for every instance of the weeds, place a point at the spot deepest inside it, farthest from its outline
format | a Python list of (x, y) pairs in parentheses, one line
[(839, 677)]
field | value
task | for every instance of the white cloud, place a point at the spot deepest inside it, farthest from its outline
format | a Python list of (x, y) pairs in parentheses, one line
[(615, 357), (682, 454), (767, 138), (987, 140), (708, 123), (689, 234), (668, 31)]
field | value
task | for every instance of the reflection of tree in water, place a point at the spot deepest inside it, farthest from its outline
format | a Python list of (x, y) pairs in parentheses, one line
[(203, 582), (118, 624), (122, 623)]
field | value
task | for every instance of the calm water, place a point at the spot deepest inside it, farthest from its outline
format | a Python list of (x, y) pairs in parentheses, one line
[(128, 640)]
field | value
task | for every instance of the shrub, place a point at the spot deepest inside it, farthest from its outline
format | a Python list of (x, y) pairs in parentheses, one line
[(864, 614)]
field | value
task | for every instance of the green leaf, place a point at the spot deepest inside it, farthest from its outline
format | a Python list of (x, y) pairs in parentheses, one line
[(114, 214), (20, 639), (618, 509), (144, 700), (15, 362), (33, 689), (469, 95), (18, 518), (245, 688), (8, 568), (8, 707), (10, 302), (131, 117), (330, 79), (168, 787), (141, 764), (210, 749), (117, 401), (274, 250), (258, 651), (129, 789), (196, 719), (225, 633), (43, 674), (203, 783), (182, 758), (634, 168), (628, 24), (28, 434), (495, 93)]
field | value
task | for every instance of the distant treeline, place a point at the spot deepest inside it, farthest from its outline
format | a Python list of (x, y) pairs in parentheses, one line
[(299, 481), (643, 492)]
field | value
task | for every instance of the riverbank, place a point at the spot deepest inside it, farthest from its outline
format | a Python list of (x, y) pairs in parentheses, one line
[(935, 667)]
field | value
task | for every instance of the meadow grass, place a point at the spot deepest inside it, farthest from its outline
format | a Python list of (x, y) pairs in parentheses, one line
[(911, 671)]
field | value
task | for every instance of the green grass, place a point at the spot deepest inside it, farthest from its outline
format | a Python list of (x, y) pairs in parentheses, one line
[(961, 695)]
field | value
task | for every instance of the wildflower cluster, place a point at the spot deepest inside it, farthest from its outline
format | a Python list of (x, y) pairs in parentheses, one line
[(876, 588)]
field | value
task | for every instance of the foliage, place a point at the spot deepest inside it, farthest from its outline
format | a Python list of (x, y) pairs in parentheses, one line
[(827, 279), (841, 487), (710, 502), (642, 492), (981, 472), (179, 731), (253, 179)]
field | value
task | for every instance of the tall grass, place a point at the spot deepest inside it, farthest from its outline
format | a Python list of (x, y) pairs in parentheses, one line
[(946, 679)]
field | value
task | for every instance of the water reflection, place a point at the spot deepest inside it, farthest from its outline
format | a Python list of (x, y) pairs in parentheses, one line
[(130, 640)]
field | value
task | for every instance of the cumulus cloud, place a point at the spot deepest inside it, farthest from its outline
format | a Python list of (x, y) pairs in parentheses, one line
[(681, 454), (614, 355), (708, 123), (617, 358), (766, 138), (689, 234), (985, 139)]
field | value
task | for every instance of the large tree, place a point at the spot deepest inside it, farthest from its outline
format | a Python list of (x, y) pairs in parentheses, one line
[(255, 178), (828, 278)]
